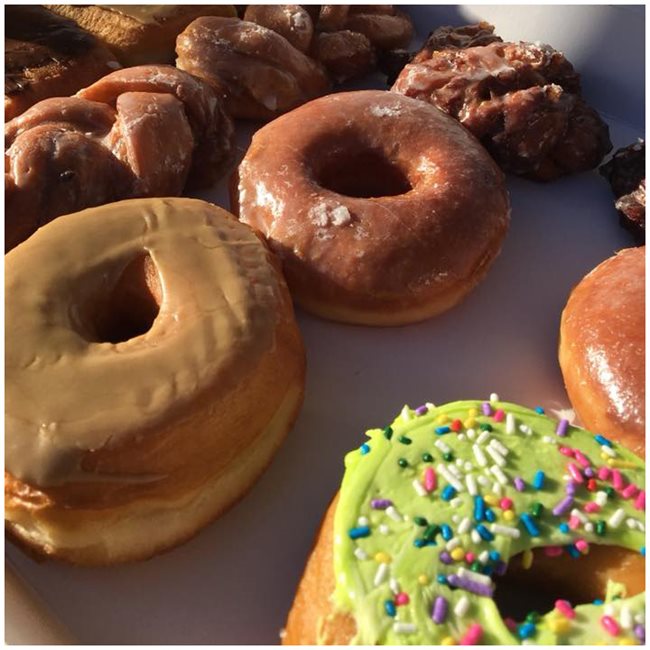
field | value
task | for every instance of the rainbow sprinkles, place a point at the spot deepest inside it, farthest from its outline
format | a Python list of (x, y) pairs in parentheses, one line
[(433, 506)]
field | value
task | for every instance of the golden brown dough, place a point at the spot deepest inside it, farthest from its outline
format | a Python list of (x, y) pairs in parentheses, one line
[(138, 34), (129, 430), (260, 74), (345, 54), (292, 22), (48, 56), (602, 348)]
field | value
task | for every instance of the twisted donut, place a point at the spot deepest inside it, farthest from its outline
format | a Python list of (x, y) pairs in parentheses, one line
[(111, 142), (258, 71)]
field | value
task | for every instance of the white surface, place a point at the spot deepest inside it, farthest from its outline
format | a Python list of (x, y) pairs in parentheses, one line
[(234, 583)]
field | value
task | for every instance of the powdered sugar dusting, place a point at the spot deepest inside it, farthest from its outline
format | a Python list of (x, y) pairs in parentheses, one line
[(322, 215), (385, 111)]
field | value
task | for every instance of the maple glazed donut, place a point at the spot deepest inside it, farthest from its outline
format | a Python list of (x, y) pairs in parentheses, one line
[(383, 210), (602, 348), (153, 367), (479, 523)]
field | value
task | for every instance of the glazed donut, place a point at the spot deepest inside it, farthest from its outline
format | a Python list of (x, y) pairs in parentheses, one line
[(521, 100), (293, 22), (260, 73), (153, 367), (139, 34), (344, 54), (438, 511), (602, 348), (111, 142), (383, 210)]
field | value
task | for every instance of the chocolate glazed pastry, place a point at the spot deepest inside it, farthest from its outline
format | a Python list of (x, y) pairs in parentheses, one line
[(110, 142), (521, 100), (625, 172), (47, 56)]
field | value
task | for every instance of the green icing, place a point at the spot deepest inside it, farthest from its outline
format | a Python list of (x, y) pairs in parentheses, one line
[(378, 471)]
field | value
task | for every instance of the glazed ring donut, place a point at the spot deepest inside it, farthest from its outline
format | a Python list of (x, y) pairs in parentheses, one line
[(438, 512), (383, 209), (292, 22), (602, 348), (153, 368)]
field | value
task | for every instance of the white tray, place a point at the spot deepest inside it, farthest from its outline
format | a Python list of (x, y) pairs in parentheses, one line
[(234, 583)]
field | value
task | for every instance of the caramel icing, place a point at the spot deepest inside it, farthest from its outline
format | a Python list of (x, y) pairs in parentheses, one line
[(68, 392)]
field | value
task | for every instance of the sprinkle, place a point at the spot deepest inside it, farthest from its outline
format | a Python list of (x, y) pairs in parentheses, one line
[(405, 440), (359, 531), (442, 419), (601, 440), (484, 557), (502, 449), (508, 515), (452, 544), (446, 532), (470, 558), (439, 612), (456, 502), (464, 526), (486, 409), (406, 413), (630, 491), (639, 502), (444, 448), (441, 431), (604, 473), (445, 557), (581, 458), (583, 519), (456, 426), (526, 630), (429, 479), (592, 486), (499, 415), (389, 607), (575, 472), (402, 599), (562, 427), (625, 617), (485, 534), (510, 423), (507, 531), (591, 507), (473, 586), (610, 625), (388, 433), (617, 480), (364, 449), (520, 485), (639, 632), (462, 607), (380, 504), (404, 628), (600, 498), (448, 493), (494, 398), (552, 551), (564, 505), (582, 545), (530, 525), (479, 455), (479, 508), (617, 518), (490, 516), (571, 487), (419, 488), (505, 503), (472, 636), (402, 462), (527, 559), (573, 551), (536, 509), (362, 521), (360, 554), (394, 586), (448, 456), (499, 475), (382, 558), (384, 529), (449, 477), (426, 457), (421, 410), (423, 579), (391, 511), (448, 640), (539, 410), (470, 433), (457, 554), (381, 574), (476, 538), (601, 528), (485, 435), (564, 607)]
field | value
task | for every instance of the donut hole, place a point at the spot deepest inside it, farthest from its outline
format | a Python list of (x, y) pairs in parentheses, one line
[(577, 580), (130, 308), (360, 172)]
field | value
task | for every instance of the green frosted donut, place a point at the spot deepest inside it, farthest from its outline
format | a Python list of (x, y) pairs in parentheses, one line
[(433, 507)]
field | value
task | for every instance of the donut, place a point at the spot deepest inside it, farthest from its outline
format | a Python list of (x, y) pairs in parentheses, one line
[(139, 34), (153, 367), (602, 348), (521, 100), (441, 513), (293, 22), (383, 210), (344, 54), (259, 72), (48, 56)]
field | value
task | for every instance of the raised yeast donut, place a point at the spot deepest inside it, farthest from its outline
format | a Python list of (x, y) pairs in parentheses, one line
[(438, 509), (153, 367), (383, 209), (602, 348)]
